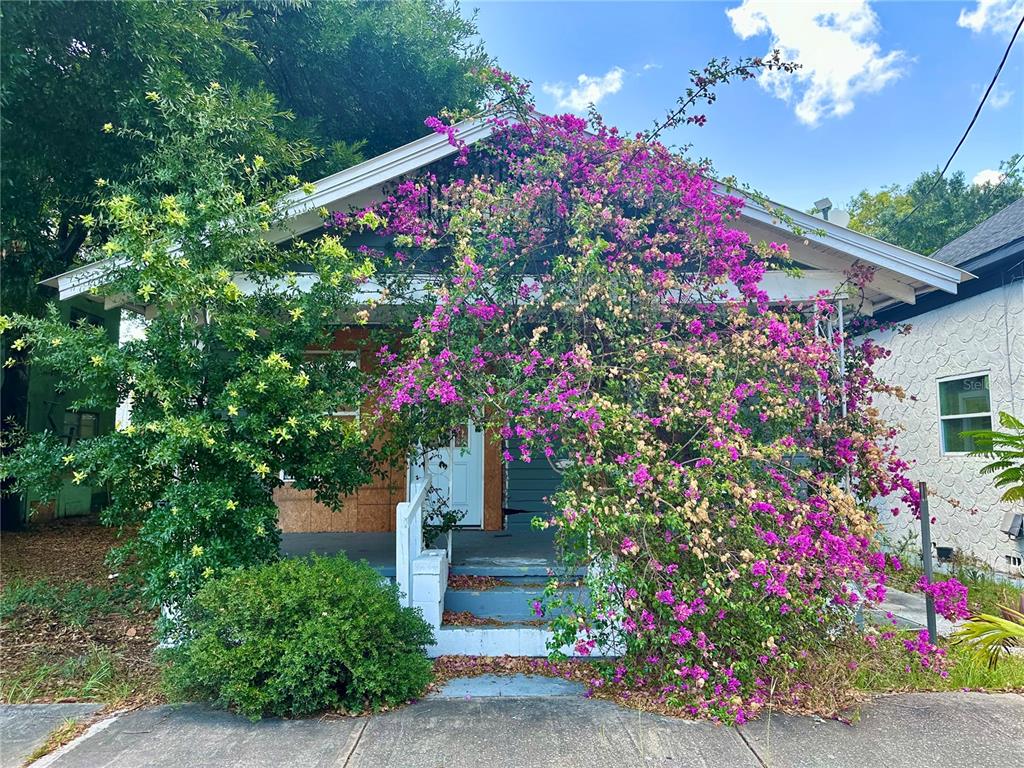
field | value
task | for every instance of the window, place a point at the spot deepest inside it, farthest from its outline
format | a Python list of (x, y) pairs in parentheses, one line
[(79, 424), (351, 359), (964, 405)]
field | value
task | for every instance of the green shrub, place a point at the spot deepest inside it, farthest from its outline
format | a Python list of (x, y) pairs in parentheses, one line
[(296, 637)]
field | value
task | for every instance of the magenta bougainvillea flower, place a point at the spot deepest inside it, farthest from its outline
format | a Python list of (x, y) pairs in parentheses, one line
[(950, 597), (587, 297)]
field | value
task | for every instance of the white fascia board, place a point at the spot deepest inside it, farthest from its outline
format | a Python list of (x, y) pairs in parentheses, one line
[(379, 170), (811, 284), (860, 247), (83, 279)]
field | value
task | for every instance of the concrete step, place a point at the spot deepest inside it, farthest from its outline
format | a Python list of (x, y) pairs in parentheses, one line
[(503, 567), (507, 603), (507, 686), (510, 640)]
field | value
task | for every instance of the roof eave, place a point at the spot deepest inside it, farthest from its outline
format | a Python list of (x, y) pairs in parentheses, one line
[(932, 273)]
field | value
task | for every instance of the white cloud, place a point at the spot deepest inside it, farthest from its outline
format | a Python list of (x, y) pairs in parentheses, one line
[(987, 176), (835, 44), (589, 90), (649, 67), (999, 97), (992, 15)]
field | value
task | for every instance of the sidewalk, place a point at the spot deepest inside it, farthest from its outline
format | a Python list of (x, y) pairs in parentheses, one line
[(957, 730)]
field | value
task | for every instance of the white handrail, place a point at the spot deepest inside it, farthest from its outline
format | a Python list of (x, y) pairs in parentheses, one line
[(409, 537)]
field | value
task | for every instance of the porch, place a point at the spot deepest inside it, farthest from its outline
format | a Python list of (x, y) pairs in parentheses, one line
[(515, 552), (491, 620)]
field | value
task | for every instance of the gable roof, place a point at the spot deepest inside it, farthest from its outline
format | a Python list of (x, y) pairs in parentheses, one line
[(995, 232), (901, 275)]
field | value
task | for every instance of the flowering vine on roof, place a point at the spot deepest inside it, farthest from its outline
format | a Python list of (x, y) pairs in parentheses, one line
[(592, 303)]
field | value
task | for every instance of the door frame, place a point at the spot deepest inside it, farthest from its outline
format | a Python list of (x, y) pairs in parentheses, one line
[(476, 446)]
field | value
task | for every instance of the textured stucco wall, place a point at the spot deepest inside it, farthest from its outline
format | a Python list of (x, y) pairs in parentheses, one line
[(982, 334)]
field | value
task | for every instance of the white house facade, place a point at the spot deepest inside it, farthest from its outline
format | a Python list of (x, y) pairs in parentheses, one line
[(960, 365)]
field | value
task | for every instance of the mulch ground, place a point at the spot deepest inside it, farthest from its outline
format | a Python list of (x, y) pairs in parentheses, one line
[(34, 640), (72, 549)]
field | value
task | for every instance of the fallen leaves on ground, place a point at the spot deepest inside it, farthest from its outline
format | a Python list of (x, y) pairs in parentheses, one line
[(475, 583), (106, 654)]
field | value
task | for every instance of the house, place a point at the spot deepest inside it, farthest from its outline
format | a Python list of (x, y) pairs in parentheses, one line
[(961, 364), (383, 521), (45, 407)]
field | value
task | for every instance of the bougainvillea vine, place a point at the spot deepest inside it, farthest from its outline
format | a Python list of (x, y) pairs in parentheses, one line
[(588, 298)]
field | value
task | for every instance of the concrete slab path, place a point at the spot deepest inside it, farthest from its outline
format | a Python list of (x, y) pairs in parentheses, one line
[(956, 730), (508, 686), (908, 608), (25, 727)]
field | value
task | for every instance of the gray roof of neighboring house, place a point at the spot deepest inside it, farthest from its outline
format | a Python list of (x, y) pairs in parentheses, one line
[(995, 232)]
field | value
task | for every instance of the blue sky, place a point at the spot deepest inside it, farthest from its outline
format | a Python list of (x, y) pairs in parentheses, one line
[(886, 92)]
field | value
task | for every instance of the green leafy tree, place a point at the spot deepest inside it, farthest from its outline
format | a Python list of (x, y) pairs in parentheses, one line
[(223, 396), (360, 76), (67, 69), (951, 208), (357, 76)]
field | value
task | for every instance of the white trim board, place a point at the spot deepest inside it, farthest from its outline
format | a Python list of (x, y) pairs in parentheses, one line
[(903, 274)]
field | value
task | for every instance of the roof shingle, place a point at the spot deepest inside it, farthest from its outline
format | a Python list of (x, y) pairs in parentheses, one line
[(995, 232)]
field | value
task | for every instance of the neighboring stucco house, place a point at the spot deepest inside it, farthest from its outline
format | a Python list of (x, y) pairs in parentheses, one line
[(961, 364)]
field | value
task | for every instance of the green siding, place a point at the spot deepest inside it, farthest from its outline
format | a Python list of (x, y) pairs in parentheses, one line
[(528, 484)]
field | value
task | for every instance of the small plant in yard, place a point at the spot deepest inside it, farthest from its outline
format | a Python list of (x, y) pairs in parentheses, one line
[(993, 636), (300, 636), (57, 738)]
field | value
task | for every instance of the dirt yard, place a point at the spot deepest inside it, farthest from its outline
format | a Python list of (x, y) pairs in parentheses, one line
[(68, 630)]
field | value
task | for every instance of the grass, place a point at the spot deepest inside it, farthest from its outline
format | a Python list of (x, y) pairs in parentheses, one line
[(891, 672), (96, 675), (75, 603), (58, 737), (836, 679)]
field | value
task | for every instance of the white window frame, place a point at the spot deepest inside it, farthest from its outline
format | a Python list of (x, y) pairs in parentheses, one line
[(938, 407), (355, 360)]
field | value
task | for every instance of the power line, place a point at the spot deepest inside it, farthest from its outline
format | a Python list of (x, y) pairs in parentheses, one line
[(963, 138)]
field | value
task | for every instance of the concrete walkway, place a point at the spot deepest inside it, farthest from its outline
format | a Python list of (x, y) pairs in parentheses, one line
[(25, 727), (908, 609), (956, 730)]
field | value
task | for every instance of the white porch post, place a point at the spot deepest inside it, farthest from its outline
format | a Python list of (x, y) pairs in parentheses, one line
[(403, 561)]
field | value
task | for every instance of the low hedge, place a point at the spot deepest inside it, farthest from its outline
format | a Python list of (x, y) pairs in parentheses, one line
[(300, 636)]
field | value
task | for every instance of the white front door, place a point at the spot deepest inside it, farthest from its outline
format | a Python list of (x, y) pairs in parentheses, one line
[(461, 465)]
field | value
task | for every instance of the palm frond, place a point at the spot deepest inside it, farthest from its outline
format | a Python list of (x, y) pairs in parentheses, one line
[(992, 636)]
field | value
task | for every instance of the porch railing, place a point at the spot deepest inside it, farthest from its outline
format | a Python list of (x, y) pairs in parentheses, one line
[(409, 535)]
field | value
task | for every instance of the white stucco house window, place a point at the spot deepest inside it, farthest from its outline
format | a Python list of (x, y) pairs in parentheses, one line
[(964, 404)]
